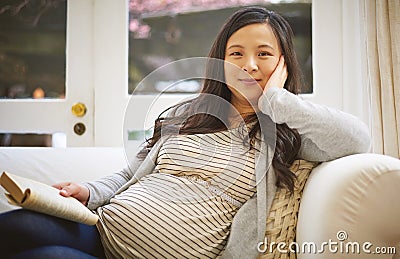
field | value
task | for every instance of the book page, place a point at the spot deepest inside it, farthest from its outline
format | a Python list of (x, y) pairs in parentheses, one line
[(47, 199)]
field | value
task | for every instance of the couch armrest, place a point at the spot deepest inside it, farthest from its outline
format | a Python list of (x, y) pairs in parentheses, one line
[(357, 194)]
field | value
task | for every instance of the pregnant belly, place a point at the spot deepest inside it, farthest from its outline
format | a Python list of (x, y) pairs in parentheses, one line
[(165, 215)]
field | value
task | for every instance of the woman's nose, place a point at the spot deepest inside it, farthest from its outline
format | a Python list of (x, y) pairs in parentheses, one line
[(250, 65)]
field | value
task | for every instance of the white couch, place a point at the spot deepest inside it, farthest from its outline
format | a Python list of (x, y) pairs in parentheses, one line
[(356, 197)]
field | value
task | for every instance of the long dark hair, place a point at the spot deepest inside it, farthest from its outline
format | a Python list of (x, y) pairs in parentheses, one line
[(207, 113)]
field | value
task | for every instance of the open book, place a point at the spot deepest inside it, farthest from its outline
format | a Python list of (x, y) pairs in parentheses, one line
[(44, 198)]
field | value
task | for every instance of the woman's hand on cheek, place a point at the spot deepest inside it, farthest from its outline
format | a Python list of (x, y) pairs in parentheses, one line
[(278, 76)]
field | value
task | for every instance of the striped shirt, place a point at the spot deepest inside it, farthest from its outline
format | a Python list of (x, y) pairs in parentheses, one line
[(186, 207)]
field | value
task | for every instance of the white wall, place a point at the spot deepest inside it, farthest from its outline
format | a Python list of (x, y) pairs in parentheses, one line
[(355, 98), (337, 59)]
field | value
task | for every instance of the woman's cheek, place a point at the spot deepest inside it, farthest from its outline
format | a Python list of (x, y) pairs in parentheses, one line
[(267, 77), (269, 68), (231, 72)]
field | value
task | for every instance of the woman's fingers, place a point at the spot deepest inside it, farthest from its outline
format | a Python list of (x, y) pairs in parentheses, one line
[(279, 76), (67, 189), (59, 185), (77, 191)]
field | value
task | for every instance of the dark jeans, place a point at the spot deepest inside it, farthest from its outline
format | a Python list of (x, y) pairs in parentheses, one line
[(28, 234)]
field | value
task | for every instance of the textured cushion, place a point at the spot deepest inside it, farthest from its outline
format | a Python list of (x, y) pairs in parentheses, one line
[(282, 218)]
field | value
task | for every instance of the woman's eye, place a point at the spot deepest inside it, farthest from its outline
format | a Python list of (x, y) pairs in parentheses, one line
[(236, 53), (264, 54)]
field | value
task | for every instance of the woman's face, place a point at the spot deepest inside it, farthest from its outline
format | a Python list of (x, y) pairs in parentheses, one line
[(251, 56)]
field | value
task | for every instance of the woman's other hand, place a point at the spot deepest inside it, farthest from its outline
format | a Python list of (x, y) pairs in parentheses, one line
[(77, 191), (279, 76)]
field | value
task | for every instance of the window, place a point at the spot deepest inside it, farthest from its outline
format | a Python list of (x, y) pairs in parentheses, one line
[(163, 32), (32, 49), (32, 59)]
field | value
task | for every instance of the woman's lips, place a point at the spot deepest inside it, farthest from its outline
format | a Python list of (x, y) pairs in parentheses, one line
[(248, 81)]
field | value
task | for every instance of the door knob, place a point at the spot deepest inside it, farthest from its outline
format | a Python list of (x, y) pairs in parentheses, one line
[(78, 109), (79, 128)]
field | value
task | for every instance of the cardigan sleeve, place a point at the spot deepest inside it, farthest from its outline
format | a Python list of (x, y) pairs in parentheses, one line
[(102, 190), (326, 133)]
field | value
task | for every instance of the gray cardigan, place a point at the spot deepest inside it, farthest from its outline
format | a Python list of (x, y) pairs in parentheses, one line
[(326, 134)]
